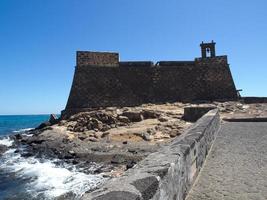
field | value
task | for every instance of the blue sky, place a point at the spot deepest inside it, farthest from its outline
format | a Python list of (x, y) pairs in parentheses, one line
[(39, 38)]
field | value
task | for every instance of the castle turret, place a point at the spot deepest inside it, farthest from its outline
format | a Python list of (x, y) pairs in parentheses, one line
[(208, 49)]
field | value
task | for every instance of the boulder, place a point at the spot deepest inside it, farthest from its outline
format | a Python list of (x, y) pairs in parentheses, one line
[(43, 125), (133, 116), (147, 137), (150, 114), (123, 119)]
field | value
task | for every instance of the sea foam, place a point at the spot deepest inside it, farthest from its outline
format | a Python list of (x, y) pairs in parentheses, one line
[(6, 141), (22, 130), (47, 179)]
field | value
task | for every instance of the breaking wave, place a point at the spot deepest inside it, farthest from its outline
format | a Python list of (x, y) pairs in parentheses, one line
[(42, 178), (6, 141), (23, 130)]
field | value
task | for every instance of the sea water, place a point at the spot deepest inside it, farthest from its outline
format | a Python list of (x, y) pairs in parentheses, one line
[(35, 178)]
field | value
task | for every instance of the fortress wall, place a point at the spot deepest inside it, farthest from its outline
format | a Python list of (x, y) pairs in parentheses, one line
[(106, 86), (107, 82)]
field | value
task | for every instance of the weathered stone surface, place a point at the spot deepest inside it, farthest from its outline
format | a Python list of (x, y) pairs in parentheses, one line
[(123, 119), (250, 100), (134, 116), (85, 58), (118, 195), (236, 167), (193, 113), (147, 186), (43, 125), (168, 173), (150, 114), (94, 120), (245, 119)]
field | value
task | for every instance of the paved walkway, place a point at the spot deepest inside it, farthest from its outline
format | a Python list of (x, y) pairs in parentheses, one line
[(236, 167)]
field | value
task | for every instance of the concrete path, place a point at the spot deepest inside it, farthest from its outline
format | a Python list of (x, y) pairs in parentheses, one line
[(236, 167)]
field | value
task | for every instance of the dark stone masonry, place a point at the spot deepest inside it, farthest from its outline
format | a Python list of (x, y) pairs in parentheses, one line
[(101, 80)]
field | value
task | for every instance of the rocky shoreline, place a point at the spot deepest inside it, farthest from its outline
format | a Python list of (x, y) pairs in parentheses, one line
[(115, 139)]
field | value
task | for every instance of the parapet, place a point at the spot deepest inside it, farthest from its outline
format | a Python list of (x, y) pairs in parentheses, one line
[(176, 63), (218, 60), (137, 64), (102, 59)]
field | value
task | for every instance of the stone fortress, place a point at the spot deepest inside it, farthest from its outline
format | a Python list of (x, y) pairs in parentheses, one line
[(102, 80)]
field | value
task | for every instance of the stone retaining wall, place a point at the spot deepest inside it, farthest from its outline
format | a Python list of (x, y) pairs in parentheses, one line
[(169, 173), (249, 100)]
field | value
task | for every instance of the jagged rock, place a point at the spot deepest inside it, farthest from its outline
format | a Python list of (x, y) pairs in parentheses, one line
[(18, 136), (123, 119), (150, 114), (133, 116), (95, 120), (130, 164), (43, 125), (3, 149), (27, 154), (53, 119)]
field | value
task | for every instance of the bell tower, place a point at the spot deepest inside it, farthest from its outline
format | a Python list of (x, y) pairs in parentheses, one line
[(208, 49)]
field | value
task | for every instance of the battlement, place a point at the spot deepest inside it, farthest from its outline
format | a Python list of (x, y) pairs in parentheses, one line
[(89, 58), (110, 59), (102, 80), (136, 64)]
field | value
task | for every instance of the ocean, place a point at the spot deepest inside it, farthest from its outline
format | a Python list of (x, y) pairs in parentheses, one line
[(34, 178)]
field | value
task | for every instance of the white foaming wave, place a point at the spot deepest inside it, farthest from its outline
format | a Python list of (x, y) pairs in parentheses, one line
[(49, 179), (6, 141), (23, 130)]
